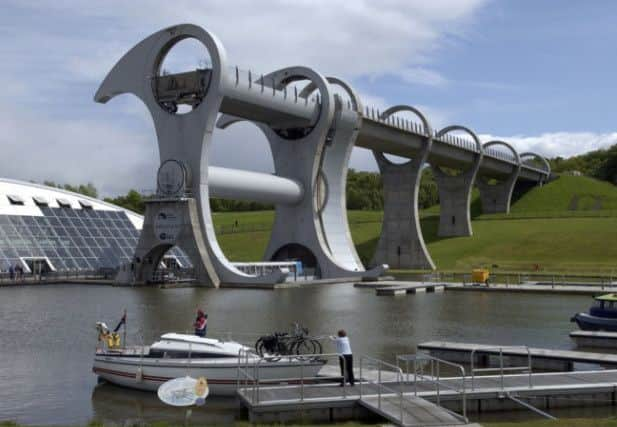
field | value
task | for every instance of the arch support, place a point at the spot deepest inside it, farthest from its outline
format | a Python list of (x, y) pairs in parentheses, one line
[(168, 223), (401, 244), (184, 142), (496, 197), (317, 158), (545, 165), (455, 191)]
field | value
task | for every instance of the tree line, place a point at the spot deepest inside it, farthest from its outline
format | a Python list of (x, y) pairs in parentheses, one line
[(364, 192), (600, 164), (365, 189)]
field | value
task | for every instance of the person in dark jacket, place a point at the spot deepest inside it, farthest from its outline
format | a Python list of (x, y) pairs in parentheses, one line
[(201, 324)]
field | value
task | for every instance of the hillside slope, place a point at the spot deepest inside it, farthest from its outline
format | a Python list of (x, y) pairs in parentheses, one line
[(568, 225), (568, 194)]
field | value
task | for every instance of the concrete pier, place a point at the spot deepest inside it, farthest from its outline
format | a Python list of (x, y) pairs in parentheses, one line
[(455, 192), (496, 197), (401, 244)]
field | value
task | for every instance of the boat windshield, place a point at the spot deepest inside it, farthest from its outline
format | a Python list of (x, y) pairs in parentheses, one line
[(606, 302)]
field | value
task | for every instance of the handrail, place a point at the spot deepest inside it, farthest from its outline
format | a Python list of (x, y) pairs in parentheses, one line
[(379, 383), (436, 378), (501, 369), (258, 361)]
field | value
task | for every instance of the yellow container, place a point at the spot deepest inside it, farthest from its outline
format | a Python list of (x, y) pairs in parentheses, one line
[(479, 275)]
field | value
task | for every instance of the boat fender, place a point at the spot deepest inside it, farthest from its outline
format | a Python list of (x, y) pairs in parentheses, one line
[(139, 375)]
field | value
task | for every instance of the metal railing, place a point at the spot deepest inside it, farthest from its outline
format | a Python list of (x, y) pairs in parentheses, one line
[(379, 384), (418, 362), (250, 378), (501, 369)]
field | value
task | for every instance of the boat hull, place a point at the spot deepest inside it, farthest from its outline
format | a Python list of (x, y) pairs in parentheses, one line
[(222, 374), (588, 322)]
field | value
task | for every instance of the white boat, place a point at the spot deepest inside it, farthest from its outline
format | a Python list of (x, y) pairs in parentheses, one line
[(177, 355)]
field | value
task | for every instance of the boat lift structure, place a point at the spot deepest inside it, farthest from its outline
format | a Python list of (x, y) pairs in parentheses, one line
[(311, 132)]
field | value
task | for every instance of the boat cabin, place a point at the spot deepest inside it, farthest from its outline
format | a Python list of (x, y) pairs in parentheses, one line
[(605, 306)]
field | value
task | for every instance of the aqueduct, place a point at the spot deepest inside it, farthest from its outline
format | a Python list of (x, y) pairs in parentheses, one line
[(311, 133)]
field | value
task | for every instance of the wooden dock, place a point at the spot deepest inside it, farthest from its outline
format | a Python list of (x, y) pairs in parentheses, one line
[(541, 358), (594, 339)]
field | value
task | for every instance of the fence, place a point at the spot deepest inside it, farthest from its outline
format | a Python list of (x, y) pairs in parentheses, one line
[(419, 361)]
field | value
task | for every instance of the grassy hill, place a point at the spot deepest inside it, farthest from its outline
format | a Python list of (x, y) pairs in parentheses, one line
[(569, 225)]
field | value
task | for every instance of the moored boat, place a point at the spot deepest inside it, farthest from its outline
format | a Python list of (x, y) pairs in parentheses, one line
[(602, 316), (176, 355)]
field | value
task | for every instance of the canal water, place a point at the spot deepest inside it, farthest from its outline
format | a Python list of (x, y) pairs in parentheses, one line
[(47, 336)]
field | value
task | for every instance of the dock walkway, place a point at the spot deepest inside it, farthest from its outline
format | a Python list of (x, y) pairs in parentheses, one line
[(397, 287), (549, 390), (534, 287), (414, 411), (600, 339), (542, 358)]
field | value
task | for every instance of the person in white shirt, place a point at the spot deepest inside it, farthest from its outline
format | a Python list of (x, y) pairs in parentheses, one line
[(343, 348)]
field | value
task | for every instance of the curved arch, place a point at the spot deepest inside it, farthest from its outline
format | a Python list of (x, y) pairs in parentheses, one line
[(471, 133), (428, 131), (356, 103), (325, 149), (128, 70), (496, 197), (539, 157), (508, 146), (298, 252), (184, 137), (285, 76)]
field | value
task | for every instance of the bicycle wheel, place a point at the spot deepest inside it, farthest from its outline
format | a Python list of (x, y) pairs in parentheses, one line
[(304, 347), (317, 348), (260, 346)]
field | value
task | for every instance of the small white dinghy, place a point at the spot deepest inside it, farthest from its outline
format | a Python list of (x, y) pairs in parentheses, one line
[(179, 355)]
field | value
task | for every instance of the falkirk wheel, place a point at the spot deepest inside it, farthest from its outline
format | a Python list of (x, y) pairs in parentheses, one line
[(309, 185), (311, 133)]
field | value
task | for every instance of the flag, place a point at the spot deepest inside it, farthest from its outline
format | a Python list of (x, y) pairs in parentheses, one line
[(121, 322)]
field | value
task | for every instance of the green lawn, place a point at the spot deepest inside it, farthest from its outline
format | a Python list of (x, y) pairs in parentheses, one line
[(567, 226), (556, 244)]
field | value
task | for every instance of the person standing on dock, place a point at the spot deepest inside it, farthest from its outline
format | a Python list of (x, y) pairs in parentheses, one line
[(343, 348), (201, 324)]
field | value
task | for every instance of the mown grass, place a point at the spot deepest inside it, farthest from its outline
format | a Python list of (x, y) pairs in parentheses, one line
[(558, 244), (542, 231), (569, 194)]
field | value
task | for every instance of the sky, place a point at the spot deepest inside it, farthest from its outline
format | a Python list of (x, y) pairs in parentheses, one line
[(538, 74)]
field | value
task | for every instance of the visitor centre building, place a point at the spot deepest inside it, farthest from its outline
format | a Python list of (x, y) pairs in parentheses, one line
[(45, 229)]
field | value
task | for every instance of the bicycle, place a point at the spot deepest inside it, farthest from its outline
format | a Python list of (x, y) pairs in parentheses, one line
[(284, 344)]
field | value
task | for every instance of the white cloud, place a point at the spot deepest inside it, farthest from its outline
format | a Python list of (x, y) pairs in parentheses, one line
[(56, 53), (564, 144), (419, 75)]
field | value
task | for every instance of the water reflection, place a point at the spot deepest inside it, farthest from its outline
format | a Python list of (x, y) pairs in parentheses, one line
[(112, 404), (47, 335)]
